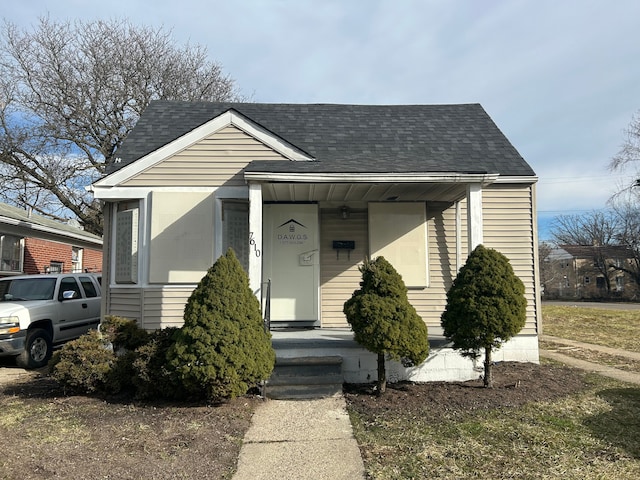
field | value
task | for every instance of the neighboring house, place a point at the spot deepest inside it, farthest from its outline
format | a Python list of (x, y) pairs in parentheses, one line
[(303, 193), (32, 244), (589, 272)]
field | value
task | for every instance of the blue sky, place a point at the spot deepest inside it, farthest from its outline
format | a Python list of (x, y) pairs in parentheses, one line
[(560, 78)]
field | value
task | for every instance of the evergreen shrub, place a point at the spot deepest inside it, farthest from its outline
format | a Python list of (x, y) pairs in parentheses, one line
[(383, 320), (84, 365), (485, 306), (153, 377), (222, 349)]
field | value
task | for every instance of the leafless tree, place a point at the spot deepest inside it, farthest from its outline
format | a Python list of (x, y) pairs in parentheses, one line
[(592, 228), (628, 212), (70, 93), (628, 159), (596, 229)]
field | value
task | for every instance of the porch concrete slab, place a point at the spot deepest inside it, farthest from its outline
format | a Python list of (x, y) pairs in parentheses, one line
[(300, 439)]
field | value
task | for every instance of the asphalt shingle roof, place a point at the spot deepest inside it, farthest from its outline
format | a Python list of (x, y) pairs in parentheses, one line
[(26, 218), (348, 138), (591, 251)]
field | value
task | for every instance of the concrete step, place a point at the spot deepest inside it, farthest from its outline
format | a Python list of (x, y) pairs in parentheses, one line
[(305, 377), (298, 392)]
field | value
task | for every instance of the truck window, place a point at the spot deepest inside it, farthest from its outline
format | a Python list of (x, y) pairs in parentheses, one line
[(27, 289), (89, 287), (69, 284)]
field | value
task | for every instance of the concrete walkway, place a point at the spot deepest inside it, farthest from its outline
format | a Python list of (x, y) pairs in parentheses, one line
[(300, 439), (605, 370)]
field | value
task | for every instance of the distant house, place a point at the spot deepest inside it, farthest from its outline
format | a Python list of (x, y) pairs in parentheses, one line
[(589, 272), (303, 193), (32, 244)]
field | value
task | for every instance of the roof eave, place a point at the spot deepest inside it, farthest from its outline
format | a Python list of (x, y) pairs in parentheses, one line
[(50, 230), (409, 177)]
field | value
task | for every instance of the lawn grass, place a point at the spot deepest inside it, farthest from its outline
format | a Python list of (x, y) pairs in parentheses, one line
[(610, 328), (594, 434), (589, 435)]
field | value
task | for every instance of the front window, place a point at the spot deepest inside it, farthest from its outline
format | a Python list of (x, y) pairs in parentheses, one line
[(11, 253), (397, 231), (126, 243)]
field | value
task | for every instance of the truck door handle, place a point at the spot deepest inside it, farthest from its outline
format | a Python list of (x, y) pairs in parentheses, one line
[(84, 305)]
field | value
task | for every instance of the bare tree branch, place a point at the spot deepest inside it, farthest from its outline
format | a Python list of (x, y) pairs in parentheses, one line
[(70, 93)]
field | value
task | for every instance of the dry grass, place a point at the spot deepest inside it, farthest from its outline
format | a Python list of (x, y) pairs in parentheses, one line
[(588, 435), (610, 328)]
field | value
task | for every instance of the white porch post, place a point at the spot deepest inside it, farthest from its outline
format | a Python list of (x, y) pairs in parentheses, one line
[(474, 215), (255, 238)]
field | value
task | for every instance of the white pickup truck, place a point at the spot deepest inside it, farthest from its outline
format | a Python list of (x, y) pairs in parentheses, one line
[(40, 311)]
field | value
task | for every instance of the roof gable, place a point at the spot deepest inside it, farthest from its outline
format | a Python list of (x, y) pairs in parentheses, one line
[(225, 119)]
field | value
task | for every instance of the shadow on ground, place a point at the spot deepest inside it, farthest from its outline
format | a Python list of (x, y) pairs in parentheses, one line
[(619, 426)]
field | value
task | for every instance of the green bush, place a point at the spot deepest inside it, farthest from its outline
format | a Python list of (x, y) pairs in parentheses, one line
[(153, 376), (383, 320), (123, 333), (485, 306), (84, 365), (100, 362), (222, 349)]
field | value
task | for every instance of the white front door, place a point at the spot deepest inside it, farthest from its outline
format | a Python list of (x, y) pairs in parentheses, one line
[(291, 262)]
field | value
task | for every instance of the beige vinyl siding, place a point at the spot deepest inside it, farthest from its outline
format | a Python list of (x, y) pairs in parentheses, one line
[(153, 307), (508, 227), (164, 307), (214, 161), (125, 302), (339, 274)]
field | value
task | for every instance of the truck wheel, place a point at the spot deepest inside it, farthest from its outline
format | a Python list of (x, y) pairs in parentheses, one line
[(37, 349)]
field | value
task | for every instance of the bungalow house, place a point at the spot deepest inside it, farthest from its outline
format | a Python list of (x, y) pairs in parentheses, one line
[(31, 244), (303, 193)]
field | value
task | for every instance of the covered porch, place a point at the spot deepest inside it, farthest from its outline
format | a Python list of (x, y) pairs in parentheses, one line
[(347, 229)]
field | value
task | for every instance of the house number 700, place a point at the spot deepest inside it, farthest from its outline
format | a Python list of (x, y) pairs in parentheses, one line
[(252, 242)]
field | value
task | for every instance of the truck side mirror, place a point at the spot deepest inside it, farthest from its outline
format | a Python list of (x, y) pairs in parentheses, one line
[(69, 295)]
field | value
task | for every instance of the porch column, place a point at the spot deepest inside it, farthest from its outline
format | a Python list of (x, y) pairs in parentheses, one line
[(474, 215), (255, 238)]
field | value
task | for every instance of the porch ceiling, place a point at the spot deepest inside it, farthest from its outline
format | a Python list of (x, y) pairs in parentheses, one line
[(362, 192)]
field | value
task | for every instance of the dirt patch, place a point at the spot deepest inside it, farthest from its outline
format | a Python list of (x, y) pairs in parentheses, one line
[(515, 385), (46, 434)]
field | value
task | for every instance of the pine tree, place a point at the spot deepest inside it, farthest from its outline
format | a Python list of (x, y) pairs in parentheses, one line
[(223, 348), (485, 306), (383, 320)]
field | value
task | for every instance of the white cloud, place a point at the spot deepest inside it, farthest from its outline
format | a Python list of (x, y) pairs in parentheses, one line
[(561, 79)]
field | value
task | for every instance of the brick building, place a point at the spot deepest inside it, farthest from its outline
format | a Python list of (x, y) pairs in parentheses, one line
[(32, 244)]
